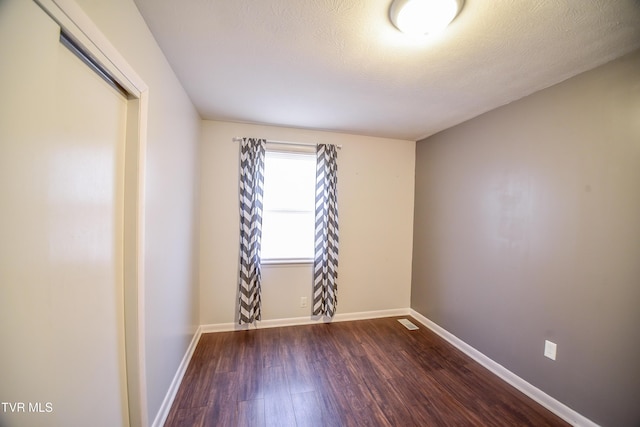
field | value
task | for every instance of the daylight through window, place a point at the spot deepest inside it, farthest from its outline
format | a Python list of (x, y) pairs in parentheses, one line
[(288, 206)]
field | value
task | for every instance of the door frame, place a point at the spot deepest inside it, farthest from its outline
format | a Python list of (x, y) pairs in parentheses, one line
[(81, 29)]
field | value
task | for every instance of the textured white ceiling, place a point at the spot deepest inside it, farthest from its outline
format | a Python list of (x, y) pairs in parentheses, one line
[(341, 65)]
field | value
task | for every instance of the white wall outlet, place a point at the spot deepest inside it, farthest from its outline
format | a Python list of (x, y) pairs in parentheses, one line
[(550, 349), (303, 302)]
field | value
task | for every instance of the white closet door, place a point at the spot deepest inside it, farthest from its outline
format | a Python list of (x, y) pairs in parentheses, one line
[(62, 133)]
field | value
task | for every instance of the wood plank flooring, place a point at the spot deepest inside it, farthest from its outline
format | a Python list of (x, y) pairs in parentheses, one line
[(362, 373)]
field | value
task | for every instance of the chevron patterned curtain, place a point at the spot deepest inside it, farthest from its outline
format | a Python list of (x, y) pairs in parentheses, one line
[(252, 152), (325, 265)]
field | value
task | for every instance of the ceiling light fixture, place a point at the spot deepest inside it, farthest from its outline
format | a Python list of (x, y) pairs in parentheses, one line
[(420, 17)]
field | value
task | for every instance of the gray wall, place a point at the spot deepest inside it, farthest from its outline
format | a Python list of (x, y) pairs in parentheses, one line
[(527, 227)]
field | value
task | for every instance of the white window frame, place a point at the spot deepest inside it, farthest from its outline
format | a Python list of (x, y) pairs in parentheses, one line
[(285, 152)]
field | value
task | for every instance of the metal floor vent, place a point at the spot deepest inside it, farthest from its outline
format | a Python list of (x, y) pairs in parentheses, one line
[(407, 324)]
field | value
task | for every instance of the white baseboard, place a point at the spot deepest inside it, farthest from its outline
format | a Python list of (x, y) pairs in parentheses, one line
[(163, 412), (307, 320), (555, 406)]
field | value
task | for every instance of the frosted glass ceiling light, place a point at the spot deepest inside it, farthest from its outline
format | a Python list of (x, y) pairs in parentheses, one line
[(419, 17)]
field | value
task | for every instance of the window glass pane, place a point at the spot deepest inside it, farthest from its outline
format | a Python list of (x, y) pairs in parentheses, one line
[(289, 181), (287, 235)]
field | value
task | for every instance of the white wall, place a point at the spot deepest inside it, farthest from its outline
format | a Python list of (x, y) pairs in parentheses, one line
[(170, 202), (375, 191)]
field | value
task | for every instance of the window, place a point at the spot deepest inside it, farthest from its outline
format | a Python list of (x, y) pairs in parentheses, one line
[(288, 218)]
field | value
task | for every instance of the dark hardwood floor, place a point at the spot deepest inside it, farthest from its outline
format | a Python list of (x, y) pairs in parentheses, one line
[(363, 373)]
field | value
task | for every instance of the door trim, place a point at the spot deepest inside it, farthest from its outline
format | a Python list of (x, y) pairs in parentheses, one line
[(86, 35)]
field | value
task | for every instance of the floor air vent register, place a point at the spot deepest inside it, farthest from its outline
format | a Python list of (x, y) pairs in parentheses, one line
[(407, 324)]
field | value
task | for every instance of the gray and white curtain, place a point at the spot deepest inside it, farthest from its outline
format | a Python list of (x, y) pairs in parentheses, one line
[(252, 153), (325, 265)]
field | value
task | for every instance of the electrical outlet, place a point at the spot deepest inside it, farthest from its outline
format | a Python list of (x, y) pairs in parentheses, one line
[(550, 349), (303, 302)]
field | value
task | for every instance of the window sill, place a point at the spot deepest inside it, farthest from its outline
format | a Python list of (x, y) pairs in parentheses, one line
[(286, 261)]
